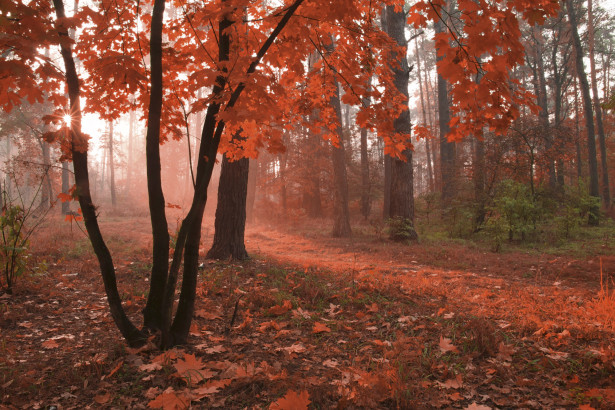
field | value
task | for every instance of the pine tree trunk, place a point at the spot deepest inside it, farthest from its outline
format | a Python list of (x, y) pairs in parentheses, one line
[(341, 214), (401, 205), (111, 167), (447, 149), (594, 189), (424, 114), (251, 194), (65, 187), (606, 194)]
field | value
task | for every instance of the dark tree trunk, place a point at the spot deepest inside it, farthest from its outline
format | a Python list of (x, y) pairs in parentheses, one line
[(341, 214), (594, 189), (152, 314), (80, 160), (544, 106), (447, 149), (230, 221), (606, 194), (402, 190)]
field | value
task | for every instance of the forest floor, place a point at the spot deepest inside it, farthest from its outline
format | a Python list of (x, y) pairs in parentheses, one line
[(333, 323)]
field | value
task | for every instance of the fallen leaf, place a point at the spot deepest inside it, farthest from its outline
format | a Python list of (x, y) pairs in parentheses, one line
[(215, 349), (281, 309), (102, 398), (292, 401), (330, 363), (455, 383), (209, 388), (115, 369), (300, 313), (320, 328), (446, 345), (50, 344), (170, 400), (295, 348), (191, 368), (474, 406), (150, 367)]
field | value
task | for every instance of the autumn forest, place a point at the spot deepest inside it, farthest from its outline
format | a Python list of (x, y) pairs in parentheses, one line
[(306, 204)]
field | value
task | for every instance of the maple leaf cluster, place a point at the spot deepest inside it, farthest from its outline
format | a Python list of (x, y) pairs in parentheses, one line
[(326, 45)]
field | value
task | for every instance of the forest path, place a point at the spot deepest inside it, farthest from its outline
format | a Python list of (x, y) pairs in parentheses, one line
[(537, 291)]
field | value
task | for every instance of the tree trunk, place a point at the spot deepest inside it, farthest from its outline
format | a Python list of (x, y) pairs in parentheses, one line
[(152, 314), (365, 183), (447, 149), (606, 194), (401, 205), (589, 115), (230, 221), (251, 194), (341, 214), (46, 193), (424, 115), (577, 131), (80, 160), (111, 167), (65, 187), (543, 104)]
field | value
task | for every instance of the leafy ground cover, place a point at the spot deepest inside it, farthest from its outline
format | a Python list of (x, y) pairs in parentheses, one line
[(317, 322)]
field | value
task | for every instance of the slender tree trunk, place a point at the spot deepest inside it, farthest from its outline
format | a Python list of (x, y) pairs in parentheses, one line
[(589, 115), (544, 107), (65, 187), (131, 131), (424, 114), (152, 314), (447, 149), (230, 220), (606, 194), (341, 214), (80, 160), (365, 182), (402, 190), (112, 167), (577, 131), (251, 194), (46, 193)]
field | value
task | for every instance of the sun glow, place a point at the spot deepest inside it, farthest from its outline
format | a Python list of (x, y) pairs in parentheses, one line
[(67, 119)]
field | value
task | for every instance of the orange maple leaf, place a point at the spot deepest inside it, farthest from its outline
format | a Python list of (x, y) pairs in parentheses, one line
[(320, 328), (281, 309), (50, 344), (292, 401), (191, 368), (446, 345), (170, 400)]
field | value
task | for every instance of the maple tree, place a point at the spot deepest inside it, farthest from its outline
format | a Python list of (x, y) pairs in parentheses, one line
[(263, 67)]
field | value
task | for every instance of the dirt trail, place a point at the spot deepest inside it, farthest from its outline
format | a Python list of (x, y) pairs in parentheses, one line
[(529, 289)]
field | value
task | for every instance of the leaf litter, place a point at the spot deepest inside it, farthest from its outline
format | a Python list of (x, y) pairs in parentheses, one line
[(364, 325)]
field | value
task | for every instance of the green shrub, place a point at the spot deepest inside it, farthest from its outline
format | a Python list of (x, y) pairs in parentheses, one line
[(401, 229), (514, 209), (13, 246)]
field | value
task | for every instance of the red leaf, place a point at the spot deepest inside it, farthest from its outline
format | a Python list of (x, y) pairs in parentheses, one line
[(292, 401)]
